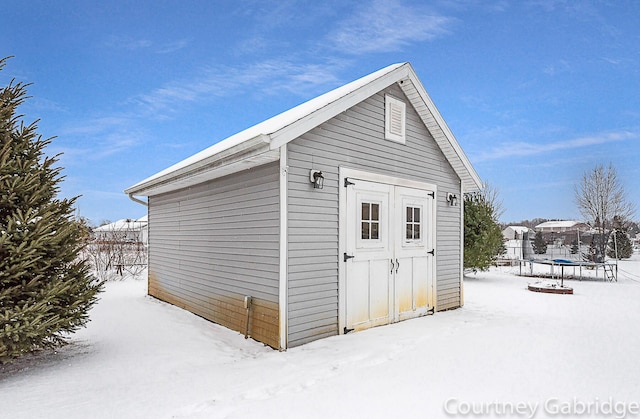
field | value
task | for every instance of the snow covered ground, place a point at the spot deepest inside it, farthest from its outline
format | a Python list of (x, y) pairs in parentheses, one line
[(508, 352)]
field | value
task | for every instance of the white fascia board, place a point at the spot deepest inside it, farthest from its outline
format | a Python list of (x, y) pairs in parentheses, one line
[(224, 169), (190, 171), (472, 174), (312, 120)]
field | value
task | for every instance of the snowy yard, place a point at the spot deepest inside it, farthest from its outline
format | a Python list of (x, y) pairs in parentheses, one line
[(507, 350)]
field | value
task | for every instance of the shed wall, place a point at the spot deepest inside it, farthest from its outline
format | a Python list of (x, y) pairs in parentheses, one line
[(214, 243), (355, 139)]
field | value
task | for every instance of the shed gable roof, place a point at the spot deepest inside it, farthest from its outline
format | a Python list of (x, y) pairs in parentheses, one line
[(260, 143)]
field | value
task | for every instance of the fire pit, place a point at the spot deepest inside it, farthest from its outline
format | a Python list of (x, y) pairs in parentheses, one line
[(550, 287)]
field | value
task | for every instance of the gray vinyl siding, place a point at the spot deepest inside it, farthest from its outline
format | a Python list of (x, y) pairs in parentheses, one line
[(215, 242), (355, 139)]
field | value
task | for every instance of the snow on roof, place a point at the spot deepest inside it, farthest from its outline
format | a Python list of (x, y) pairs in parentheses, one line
[(123, 224), (559, 224), (519, 229), (272, 124), (282, 128)]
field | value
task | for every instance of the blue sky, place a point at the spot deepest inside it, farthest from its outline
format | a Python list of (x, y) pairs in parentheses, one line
[(536, 92)]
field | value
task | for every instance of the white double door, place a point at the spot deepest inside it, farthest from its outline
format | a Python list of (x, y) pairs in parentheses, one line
[(389, 253)]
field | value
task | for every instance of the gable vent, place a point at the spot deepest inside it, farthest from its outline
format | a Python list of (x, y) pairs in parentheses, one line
[(395, 116)]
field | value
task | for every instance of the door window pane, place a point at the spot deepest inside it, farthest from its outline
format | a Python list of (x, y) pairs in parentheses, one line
[(370, 224), (413, 224), (365, 230), (365, 211), (374, 231)]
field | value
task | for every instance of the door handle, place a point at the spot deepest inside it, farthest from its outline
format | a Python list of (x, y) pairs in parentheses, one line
[(397, 265), (392, 266)]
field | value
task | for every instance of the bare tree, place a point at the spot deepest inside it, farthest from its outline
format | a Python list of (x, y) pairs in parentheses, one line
[(491, 195), (600, 197), (116, 249)]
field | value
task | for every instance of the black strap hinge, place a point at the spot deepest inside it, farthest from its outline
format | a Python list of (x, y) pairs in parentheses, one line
[(347, 182), (432, 195), (347, 330), (347, 257), (432, 252), (431, 310)]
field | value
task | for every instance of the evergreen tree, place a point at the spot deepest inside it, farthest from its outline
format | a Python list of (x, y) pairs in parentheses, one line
[(619, 244), (574, 247), (594, 254), (45, 289), (539, 245), (482, 235), (633, 229)]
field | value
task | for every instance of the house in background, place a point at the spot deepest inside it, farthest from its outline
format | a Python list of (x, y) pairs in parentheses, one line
[(563, 231), (340, 214), (125, 230)]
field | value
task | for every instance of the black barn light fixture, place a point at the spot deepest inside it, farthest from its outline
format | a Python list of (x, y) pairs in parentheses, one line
[(316, 177)]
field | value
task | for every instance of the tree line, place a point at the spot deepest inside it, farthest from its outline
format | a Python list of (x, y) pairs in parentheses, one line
[(599, 196)]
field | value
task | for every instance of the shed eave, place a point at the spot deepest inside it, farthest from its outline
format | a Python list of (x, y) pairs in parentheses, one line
[(245, 155), (241, 150)]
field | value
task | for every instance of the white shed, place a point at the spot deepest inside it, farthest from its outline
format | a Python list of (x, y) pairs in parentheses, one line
[(340, 214), (517, 242), (515, 232)]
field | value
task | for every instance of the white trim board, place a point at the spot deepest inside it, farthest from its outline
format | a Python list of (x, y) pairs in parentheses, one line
[(284, 283)]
